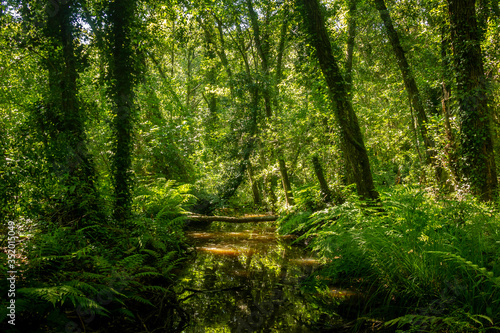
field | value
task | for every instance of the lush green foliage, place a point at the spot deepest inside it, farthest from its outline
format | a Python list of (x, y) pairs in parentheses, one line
[(117, 111), (104, 275), (423, 264)]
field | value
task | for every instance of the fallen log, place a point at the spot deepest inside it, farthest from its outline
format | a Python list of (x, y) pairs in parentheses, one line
[(230, 219)]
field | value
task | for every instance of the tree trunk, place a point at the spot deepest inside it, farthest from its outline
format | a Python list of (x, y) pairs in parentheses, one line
[(270, 183), (351, 35), (286, 183), (326, 194), (262, 45), (65, 119), (350, 133), (255, 188), (121, 16), (478, 166), (411, 86), (451, 148)]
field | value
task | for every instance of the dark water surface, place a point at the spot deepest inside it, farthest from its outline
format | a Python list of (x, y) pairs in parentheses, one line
[(246, 278)]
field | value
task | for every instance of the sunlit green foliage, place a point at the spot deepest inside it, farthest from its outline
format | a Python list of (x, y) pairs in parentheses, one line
[(424, 263)]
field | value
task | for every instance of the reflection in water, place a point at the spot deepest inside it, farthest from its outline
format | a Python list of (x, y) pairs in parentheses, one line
[(247, 281)]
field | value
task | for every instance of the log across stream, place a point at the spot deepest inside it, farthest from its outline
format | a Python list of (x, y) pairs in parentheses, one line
[(245, 278)]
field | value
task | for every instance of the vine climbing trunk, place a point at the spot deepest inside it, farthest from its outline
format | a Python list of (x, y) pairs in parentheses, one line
[(63, 117), (121, 18), (350, 133), (478, 160)]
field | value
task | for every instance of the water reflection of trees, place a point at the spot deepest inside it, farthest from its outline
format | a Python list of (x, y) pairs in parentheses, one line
[(255, 291)]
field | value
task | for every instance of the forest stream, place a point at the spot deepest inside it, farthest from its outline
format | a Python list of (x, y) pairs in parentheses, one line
[(246, 278)]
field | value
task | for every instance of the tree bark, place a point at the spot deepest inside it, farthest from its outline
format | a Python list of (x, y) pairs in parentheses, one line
[(350, 133), (326, 194), (121, 16), (255, 188), (351, 35), (287, 188), (64, 119), (478, 161)]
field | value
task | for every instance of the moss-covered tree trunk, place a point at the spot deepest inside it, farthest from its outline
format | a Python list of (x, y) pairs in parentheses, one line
[(62, 117), (478, 162), (121, 17), (350, 133)]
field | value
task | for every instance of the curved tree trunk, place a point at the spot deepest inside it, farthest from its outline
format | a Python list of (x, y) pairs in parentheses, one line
[(350, 133)]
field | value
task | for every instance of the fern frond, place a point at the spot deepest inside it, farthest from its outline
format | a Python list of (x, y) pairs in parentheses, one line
[(141, 300)]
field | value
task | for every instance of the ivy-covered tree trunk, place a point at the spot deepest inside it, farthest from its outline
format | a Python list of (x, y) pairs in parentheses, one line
[(478, 162), (121, 17), (411, 86), (62, 119), (350, 133)]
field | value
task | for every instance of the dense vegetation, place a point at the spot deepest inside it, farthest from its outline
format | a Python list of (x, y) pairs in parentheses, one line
[(370, 127)]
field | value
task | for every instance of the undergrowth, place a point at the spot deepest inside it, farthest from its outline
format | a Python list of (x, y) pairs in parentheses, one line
[(421, 265), (104, 276)]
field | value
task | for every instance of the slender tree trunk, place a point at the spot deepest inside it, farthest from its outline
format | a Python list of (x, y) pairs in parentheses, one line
[(351, 35), (350, 133), (451, 148), (478, 160), (270, 183), (286, 182), (255, 188), (411, 87), (326, 194), (121, 16), (229, 187), (262, 45)]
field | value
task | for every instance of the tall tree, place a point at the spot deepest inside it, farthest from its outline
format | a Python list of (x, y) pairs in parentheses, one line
[(122, 75), (351, 35), (350, 133), (410, 84), (270, 91), (61, 118), (478, 162)]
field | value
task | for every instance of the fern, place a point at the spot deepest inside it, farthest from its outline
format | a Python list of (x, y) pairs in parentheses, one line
[(464, 263)]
